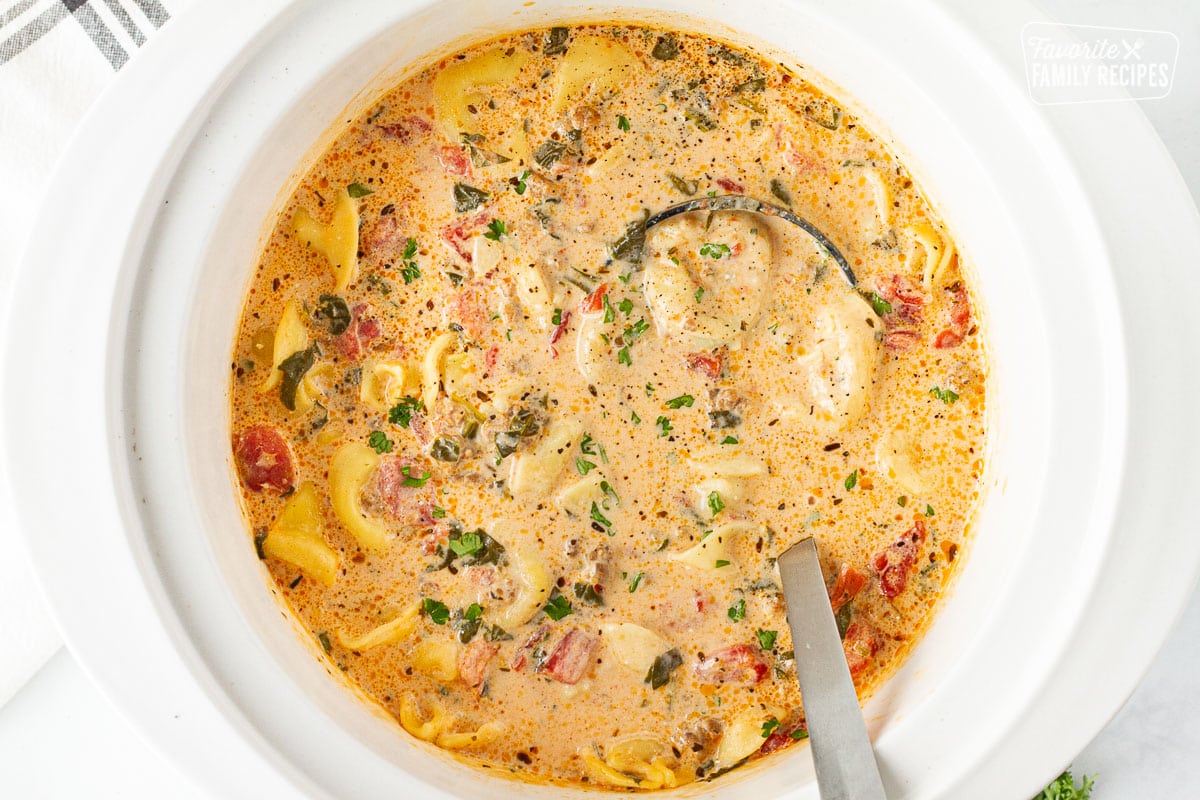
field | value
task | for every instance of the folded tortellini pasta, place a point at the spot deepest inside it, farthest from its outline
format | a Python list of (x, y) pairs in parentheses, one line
[(638, 761), (398, 629), (743, 736), (714, 550), (535, 473), (336, 240), (349, 471), (635, 647), (296, 536)]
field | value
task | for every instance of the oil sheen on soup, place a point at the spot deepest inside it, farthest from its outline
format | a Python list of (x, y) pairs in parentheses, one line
[(522, 467)]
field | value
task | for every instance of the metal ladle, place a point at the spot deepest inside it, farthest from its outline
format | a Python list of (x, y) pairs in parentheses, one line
[(737, 202), (841, 750)]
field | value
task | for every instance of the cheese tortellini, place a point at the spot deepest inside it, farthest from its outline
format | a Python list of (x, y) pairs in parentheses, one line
[(296, 537), (349, 471), (705, 280), (337, 240)]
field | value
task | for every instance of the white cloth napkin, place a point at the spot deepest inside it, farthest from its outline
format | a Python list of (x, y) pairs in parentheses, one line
[(56, 56)]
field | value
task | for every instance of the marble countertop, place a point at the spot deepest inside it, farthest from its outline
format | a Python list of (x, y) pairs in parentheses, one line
[(59, 737)]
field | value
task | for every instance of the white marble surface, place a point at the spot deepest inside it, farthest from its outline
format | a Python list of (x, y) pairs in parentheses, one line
[(59, 737)]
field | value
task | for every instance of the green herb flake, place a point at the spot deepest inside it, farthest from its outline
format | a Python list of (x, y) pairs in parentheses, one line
[(439, 512), (557, 607), (623, 356), (521, 184), (798, 734), (769, 727), (715, 503), (584, 466), (466, 545), (625, 306), (401, 413), (766, 639), (634, 582), (851, 480), (436, 610), (357, 190), (323, 638), (588, 594), (720, 562), (737, 611), (880, 306), (609, 313), (1064, 788), (666, 47), (599, 519), (714, 249), (947, 396), (410, 481), (473, 612), (729, 440), (902, 500), (928, 510), (622, 122), (699, 294), (410, 249), (664, 426), (609, 492), (634, 418), (496, 230), (380, 442), (556, 319), (681, 401)]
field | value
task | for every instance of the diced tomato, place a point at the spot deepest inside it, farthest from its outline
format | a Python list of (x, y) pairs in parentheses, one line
[(739, 663), (264, 460), (405, 128), (490, 358), (383, 238), (848, 584), (901, 340), (458, 233), (559, 330), (526, 648), (467, 307), (861, 642), (572, 658), (474, 659), (781, 738), (896, 562), (359, 335), (455, 161), (710, 364), (701, 600), (906, 300), (731, 185), (960, 319), (594, 302)]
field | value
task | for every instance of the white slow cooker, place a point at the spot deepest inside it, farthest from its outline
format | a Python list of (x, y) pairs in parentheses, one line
[(116, 362)]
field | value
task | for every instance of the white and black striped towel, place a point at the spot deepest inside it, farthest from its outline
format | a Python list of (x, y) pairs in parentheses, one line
[(56, 56)]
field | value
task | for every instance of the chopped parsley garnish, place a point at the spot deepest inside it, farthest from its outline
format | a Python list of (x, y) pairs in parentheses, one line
[(522, 186), (851, 480), (681, 401), (635, 330), (769, 727), (664, 426), (649, 389), (722, 563), (634, 581), (588, 593), (714, 249), (729, 440), (496, 230), (609, 313), (737, 611), (584, 466), (467, 544), (590, 447), (409, 269), (634, 418), (610, 493), (438, 512), (623, 356), (928, 510), (357, 190), (380, 442), (715, 503), (437, 611), (766, 639), (410, 481), (1063, 788), (947, 396), (556, 319), (622, 122), (798, 734), (410, 249), (473, 612), (902, 500), (626, 306), (599, 519), (557, 607), (699, 294), (879, 305), (401, 413)]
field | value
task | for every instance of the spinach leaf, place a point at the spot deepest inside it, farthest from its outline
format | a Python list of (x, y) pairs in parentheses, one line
[(586, 593), (664, 665), (666, 48), (631, 246), (467, 198), (294, 368), (556, 41), (334, 313)]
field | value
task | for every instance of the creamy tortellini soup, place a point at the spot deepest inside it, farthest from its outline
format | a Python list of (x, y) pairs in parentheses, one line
[(521, 466)]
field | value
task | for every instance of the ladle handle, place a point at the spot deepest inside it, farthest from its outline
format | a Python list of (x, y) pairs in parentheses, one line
[(841, 750)]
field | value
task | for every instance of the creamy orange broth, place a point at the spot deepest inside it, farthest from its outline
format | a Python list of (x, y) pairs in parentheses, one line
[(523, 475)]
